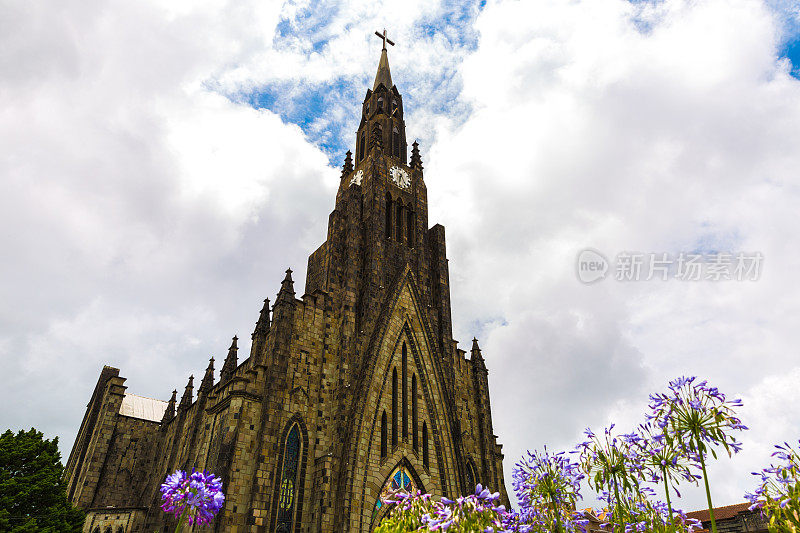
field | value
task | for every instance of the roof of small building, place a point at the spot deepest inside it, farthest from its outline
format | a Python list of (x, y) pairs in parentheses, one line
[(720, 513), (142, 407)]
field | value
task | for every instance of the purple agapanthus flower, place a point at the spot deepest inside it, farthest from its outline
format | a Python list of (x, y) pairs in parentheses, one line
[(197, 496), (699, 415), (420, 512), (779, 487)]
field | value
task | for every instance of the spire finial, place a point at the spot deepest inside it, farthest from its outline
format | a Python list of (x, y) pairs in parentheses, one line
[(476, 356), (186, 399), (385, 39), (262, 326), (416, 159), (383, 75), (347, 168), (169, 412), (286, 294), (208, 378), (231, 361)]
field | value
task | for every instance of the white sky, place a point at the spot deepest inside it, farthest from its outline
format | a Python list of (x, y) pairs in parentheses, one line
[(147, 209)]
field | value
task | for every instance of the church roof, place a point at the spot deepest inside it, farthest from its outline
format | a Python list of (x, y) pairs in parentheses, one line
[(383, 75), (142, 408), (720, 513)]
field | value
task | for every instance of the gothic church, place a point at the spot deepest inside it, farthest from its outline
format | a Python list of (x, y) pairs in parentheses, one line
[(352, 390)]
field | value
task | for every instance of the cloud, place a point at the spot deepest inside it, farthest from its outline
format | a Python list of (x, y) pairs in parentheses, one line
[(163, 163), (620, 126)]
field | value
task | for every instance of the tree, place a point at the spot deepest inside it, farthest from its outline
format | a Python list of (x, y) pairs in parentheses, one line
[(32, 490)]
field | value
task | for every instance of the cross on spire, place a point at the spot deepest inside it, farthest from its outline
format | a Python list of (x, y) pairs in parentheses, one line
[(385, 38)]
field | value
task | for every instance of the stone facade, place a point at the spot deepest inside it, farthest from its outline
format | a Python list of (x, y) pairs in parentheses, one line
[(354, 386)]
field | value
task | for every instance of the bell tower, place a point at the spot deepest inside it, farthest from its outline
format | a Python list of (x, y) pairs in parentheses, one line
[(380, 222)]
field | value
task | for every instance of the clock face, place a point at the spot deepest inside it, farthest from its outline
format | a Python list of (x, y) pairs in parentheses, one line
[(357, 177), (400, 177)]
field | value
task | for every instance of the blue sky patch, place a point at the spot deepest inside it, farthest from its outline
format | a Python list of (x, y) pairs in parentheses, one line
[(328, 113), (791, 51)]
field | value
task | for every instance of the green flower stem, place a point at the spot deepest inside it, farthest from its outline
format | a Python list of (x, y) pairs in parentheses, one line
[(555, 516), (666, 490), (705, 480), (619, 505), (182, 520)]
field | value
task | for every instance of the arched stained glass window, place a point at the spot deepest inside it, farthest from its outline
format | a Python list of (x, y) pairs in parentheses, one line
[(288, 487), (470, 478), (400, 479)]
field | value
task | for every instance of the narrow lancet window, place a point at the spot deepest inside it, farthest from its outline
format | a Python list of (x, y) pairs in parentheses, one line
[(384, 436), (394, 407), (414, 412), (405, 394), (410, 228), (470, 478), (287, 489), (388, 216), (395, 142), (399, 220), (425, 444)]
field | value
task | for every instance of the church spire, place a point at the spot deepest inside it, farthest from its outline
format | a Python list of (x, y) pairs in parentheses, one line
[(169, 413), (231, 361), (186, 399), (475, 354), (383, 76), (286, 294), (262, 326), (347, 168), (416, 159), (208, 379)]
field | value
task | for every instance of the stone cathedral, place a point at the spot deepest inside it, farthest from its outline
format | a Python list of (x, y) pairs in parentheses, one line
[(350, 391)]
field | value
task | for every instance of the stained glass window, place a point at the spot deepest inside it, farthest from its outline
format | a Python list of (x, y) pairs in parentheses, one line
[(470, 478), (400, 479), (288, 486)]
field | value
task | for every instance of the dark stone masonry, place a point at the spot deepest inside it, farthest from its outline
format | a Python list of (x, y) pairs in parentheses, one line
[(354, 388)]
